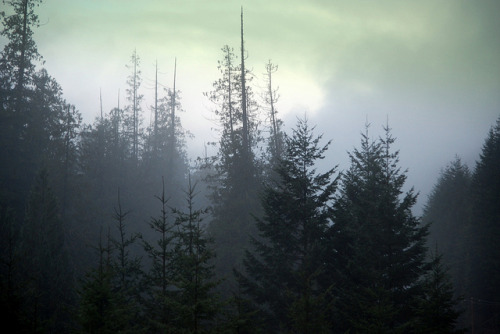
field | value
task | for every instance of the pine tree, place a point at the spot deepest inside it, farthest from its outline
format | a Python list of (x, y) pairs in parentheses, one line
[(282, 273), (379, 244)]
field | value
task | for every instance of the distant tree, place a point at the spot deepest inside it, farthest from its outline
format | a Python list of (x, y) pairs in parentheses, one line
[(276, 141), (20, 54), (198, 303), (166, 155), (448, 213), (237, 178), (282, 271), (485, 233), (133, 118), (50, 291), (159, 296), (379, 245), (127, 271), (436, 309), (100, 306)]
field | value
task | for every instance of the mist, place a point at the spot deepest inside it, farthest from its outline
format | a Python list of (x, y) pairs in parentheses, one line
[(256, 167)]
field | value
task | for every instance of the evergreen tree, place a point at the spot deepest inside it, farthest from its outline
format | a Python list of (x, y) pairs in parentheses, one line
[(236, 182), (126, 270), (160, 297), (133, 119), (436, 309), (194, 270), (379, 245), (166, 147), (282, 275), (101, 306), (485, 233), (276, 141), (30, 104), (50, 292), (448, 213)]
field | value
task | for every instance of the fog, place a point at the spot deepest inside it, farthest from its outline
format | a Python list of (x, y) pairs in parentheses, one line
[(160, 193), (432, 69)]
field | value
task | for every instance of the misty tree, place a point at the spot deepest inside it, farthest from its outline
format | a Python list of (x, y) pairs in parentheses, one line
[(485, 231), (448, 211), (276, 141), (126, 269), (197, 303), (65, 154), (166, 144), (133, 118), (20, 54), (159, 296), (436, 308), (379, 245), (45, 262), (236, 181), (23, 123), (282, 271), (101, 307)]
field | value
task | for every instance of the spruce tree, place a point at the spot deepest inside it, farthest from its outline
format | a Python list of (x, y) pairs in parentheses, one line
[(101, 306), (197, 302), (448, 213), (236, 182), (485, 233), (379, 245), (436, 309), (283, 270), (159, 299)]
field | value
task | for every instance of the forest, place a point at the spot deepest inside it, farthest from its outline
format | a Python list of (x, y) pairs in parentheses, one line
[(109, 228)]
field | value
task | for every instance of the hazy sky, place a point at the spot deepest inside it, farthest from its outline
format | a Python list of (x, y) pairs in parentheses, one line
[(431, 67)]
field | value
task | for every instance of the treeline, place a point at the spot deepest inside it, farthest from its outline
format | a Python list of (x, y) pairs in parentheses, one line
[(107, 227), (464, 212)]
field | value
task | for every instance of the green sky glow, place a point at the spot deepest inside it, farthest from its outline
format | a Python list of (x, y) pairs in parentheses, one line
[(431, 67)]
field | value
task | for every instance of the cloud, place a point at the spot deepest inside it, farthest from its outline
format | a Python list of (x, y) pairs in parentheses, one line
[(432, 67)]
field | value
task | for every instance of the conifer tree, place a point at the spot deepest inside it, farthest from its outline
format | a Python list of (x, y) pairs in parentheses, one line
[(126, 270), (283, 270), (160, 297), (101, 306), (485, 232), (197, 303), (46, 262), (436, 309), (448, 213), (29, 103), (133, 120), (379, 245), (237, 180)]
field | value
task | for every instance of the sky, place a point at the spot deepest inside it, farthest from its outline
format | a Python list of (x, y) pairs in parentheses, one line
[(430, 69)]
